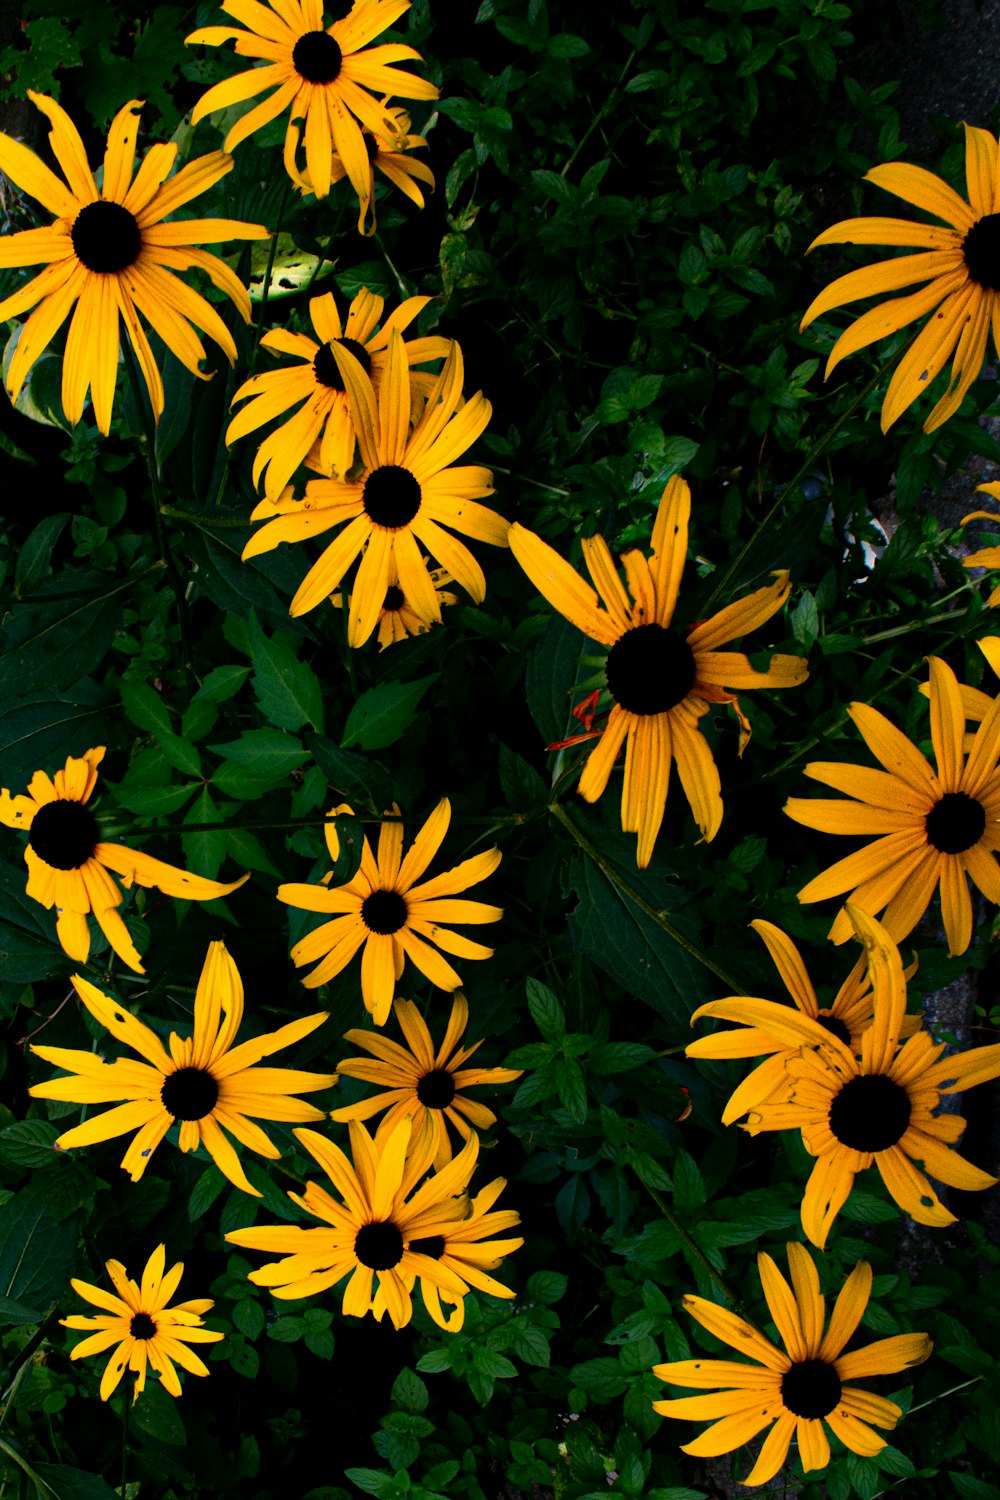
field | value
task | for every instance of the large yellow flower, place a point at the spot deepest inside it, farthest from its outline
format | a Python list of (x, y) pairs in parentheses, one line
[(108, 254), (406, 494), (321, 76), (660, 680), (424, 1084), (384, 909), (387, 152), (371, 1233), (848, 1018), (879, 1111), (466, 1250), (794, 1390), (316, 387), (68, 862), (203, 1083), (959, 263), (935, 828), (148, 1333)]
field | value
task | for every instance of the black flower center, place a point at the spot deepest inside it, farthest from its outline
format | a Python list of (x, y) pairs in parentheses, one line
[(956, 823), (64, 834), (372, 145), (981, 250), (189, 1094), (105, 236), (379, 1246), (142, 1326), (811, 1389), (316, 57), (433, 1246), (436, 1090), (384, 912), (650, 669), (391, 497), (394, 599), (325, 366), (870, 1113), (835, 1026)]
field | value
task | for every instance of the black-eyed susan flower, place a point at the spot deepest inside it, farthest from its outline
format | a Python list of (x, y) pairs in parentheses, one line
[(206, 1084), (425, 1084), (398, 619), (108, 254), (848, 1018), (389, 154), (369, 1234), (878, 1110), (408, 492), (660, 680), (958, 263), (69, 864), (315, 387), (384, 910), (321, 76), (935, 828), (466, 1249), (986, 557), (143, 1331), (796, 1389)]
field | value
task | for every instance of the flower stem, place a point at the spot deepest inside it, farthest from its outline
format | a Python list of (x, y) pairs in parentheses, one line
[(147, 443), (695, 1249), (659, 917), (290, 823), (127, 1403)]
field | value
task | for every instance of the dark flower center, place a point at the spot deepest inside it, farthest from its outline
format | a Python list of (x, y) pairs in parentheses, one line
[(189, 1094), (316, 57), (811, 1389), (870, 1113), (142, 1326), (956, 823), (981, 250), (391, 496), (835, 1026), (384, 912), (650, 669), (64, 834), (325, 366), (379, 1246), (436, 1090), (105, 236), (372, 145), (433, 1246), (394, 599)]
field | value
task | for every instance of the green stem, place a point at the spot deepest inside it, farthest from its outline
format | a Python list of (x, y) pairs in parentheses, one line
[(127, 1400), (147, 442), (732, 571), (263, 825), (550, 489), (888, 635), (605, 109), (695, 1249), (20, 1362), (659, 917)]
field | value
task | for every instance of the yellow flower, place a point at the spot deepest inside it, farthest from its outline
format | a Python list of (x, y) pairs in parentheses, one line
[(148, 1334), (406, 494), (935, 828), (661, 680), (422, 1083), (384, 909), (986, 557), (370, 1233), (465, 1249), (848, 1018), (796, 1389), (398, 619), (109, 254), (316, 387), (959, 263), (879, 1111), (203, 1083), (387, 152), (321, 76), (68, 863)]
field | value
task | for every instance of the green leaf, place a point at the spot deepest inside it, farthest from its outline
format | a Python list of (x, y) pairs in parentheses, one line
[(287, 689), (43, 728), (204, 1193), (62, 637), (28, 1143), (26, 953), (600, 1378), (372, 1481), (553, 669), (248, 1317), (546, 1012), (522, 786), (383, 714), (180, 753), (154, 801), (157, 1413), (268, 752), (36, 1255), (565, 44), (36, 552), (145, 707), (618, 1057), (546, 1287), (221, 683), (66, 1483), (410, 1392), (352, 776)]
